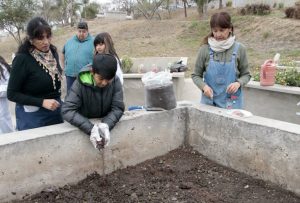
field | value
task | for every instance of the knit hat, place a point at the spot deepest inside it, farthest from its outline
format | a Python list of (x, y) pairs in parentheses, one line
[(82, 25), (105, 65)]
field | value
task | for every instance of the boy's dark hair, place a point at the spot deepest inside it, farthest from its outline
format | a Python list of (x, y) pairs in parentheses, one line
[(105, 65), (82, 25)]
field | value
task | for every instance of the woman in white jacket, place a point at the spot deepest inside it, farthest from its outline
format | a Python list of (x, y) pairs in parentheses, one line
[(5, 118)]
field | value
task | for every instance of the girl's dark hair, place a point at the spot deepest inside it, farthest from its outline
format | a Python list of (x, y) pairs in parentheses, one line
[(36, 27), (105, 38), (222, 20), (5, 64)]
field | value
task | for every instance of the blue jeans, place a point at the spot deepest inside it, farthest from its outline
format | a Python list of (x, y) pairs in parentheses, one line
[(39, 118), (70, 81)]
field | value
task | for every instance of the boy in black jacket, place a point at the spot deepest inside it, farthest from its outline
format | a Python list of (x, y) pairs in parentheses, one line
[(96, 93)]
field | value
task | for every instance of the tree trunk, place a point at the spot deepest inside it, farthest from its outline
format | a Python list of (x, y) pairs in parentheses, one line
[(184, 3), (220, 4)]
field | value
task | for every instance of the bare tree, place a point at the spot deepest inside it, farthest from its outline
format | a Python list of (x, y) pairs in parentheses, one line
[(47, 10), (185, 3), (149, 8), (220, 4), (127, 5), (202, 6)]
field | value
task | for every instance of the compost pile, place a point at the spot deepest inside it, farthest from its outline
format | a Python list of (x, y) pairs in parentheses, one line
[(183, 175)]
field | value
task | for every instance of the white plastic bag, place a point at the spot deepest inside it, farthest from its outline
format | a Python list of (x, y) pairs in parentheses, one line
[(160, 78)]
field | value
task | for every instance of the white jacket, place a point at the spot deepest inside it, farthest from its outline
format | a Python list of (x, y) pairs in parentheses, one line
[(6, 125)]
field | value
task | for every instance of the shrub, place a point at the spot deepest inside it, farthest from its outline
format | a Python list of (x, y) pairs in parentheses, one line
[(297, 13), (293, 12), (127, 64), (266, 35), (288, 76), (256, 9), (289, 12), (281, 5), (229, 4)]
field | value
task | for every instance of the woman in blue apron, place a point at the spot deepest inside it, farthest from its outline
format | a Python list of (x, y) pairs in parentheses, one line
[(35, 79), (221, 67)]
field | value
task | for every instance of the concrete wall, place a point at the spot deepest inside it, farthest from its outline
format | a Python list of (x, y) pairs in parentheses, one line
[(263, 148), (145, 64), (49, 157), (37, 159), (275, 102)]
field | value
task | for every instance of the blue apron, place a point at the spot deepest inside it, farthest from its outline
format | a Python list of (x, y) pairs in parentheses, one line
[(41, 117), (218, 76)]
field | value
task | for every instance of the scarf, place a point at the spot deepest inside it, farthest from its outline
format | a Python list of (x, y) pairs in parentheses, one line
[(220, 46), (49, 64)]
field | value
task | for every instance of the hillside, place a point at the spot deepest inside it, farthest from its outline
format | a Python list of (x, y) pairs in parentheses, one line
[(179, 36)]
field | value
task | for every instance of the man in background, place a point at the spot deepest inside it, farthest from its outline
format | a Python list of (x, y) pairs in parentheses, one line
[(77, 53)]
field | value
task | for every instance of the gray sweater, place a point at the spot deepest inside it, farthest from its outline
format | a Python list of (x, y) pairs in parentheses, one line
[(242, 68)]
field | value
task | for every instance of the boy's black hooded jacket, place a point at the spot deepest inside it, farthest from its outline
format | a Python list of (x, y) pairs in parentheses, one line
[(85, 100)]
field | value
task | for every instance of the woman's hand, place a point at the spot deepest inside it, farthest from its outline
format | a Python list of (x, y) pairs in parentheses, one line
[(207, 91), (50, 104), (233, 87)]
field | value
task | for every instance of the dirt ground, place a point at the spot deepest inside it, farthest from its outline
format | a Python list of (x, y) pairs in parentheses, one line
[(183, 175)]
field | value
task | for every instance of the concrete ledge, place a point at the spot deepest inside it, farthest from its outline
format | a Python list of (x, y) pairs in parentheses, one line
[(275, 88), (276, 102), (34, 160), (263, 148), (160, 62)]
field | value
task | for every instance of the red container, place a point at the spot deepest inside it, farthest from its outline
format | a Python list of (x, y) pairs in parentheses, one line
[(267, 73)]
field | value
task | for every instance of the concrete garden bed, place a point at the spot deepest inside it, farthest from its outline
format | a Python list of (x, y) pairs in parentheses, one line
[(51, 157)]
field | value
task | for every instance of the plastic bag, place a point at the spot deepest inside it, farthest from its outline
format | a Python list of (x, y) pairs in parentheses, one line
[(178, 66), (159, 78), (159, 91)]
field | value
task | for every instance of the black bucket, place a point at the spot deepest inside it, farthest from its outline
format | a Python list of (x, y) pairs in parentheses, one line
[(160, 96)]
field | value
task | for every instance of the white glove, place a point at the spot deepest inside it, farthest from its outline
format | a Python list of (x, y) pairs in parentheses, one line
[(95, 137), (105, 132)]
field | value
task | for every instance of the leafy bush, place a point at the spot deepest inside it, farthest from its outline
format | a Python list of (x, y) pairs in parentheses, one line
[(256, 9), (127, 64), (288, 76)]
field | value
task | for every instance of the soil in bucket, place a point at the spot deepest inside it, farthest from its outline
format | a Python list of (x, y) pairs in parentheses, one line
[(160, 96)]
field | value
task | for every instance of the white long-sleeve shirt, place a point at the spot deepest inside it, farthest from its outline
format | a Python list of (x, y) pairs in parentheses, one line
[(6, 125)]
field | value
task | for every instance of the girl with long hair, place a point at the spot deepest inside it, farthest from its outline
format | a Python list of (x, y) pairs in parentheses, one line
[(104, 44)]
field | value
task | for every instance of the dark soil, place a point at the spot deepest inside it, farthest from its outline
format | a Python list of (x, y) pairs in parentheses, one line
[(183, 175)]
